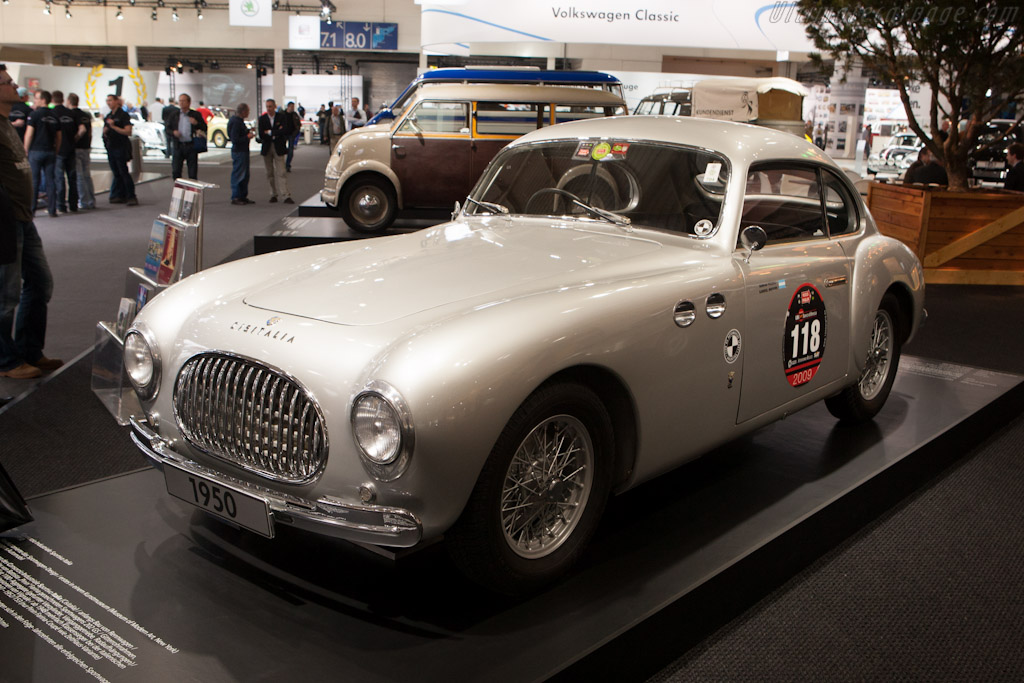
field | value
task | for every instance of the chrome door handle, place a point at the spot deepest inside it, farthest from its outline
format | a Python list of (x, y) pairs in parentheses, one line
[(835, 281), (399, 151)]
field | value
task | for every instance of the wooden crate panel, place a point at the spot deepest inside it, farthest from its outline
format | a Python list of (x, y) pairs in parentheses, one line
[(896, 204)]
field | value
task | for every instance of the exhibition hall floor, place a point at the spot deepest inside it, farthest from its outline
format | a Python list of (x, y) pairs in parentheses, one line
[(805, 551)]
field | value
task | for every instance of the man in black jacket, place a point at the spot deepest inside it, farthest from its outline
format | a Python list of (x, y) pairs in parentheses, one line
[(117, 138), (239, 135), (184, 126), (276, 127), (1015, 164)]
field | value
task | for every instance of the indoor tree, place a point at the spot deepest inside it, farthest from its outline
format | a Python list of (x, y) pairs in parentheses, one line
[(969, 52)]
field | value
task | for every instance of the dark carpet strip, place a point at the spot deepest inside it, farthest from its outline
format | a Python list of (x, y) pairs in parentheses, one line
[(60, 435)]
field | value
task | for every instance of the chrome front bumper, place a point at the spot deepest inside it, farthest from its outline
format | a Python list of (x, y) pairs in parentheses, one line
[(371, 524)]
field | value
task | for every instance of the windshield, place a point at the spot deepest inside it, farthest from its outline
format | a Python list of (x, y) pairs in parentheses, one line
[(654, 185)]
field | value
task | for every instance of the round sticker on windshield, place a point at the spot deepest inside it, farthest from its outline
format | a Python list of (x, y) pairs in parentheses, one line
[(803, 345), (703, 227), (600, 151)]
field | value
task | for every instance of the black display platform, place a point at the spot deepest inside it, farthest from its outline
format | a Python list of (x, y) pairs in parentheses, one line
[(313, 222), (169, 594)]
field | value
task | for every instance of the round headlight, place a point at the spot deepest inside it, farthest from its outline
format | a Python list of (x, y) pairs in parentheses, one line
[(141, 364), (377, 428)]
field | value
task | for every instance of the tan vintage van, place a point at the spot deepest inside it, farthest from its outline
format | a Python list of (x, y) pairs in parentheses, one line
[(431, 155)]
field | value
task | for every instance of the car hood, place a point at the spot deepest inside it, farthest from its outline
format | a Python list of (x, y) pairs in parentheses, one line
[(385, 279)]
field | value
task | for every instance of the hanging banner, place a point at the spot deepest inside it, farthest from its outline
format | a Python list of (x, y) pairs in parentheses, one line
[(250, 12), (728, 24)]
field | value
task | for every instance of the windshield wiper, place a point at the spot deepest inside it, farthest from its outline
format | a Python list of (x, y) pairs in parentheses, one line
[(497, 209), (615, 218)]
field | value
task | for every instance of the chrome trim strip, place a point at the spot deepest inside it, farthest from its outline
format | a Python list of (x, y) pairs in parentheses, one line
[(372, 524)]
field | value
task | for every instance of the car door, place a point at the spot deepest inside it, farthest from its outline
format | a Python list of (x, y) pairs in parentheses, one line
[(431, 154), (797, 291)]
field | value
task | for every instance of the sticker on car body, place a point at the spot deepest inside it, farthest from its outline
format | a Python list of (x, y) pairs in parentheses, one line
[(803, 344)]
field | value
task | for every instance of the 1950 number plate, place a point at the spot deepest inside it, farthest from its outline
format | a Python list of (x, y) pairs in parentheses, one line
[(228, 503)]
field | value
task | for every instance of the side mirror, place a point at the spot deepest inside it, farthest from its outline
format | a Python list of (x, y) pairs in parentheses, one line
[(753, 238), (456, 210)]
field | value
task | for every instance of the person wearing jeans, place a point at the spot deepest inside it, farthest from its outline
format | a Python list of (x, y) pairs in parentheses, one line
[(67, 193), (239, 135), (83, 146), (26, 283), (42, 140)]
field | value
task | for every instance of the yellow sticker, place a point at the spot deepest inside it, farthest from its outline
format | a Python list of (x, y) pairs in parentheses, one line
[(600, 151)]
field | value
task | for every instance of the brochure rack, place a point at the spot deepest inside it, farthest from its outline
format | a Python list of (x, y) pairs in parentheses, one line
[(175, 250)]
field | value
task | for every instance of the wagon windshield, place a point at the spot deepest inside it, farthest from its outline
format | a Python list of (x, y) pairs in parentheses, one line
[(654, 185)]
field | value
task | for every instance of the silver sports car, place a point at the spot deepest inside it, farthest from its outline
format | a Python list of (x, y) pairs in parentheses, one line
[(616, 297)]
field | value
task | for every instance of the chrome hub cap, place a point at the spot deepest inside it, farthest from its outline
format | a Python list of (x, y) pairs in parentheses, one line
[(368, 204), (547, 486), (876, 370)]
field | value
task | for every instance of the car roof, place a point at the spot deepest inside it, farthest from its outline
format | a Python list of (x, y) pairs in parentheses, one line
[(738, 141), (515, 75), (518, 93)]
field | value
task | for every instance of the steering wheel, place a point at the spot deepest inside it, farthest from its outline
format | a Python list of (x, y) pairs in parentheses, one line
[(549, 190)]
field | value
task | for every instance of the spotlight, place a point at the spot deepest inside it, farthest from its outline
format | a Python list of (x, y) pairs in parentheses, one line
[(199, 13), (153, 14), (131, 2), (174, 14), (248, 65), (120, 14), (276, 6), (159, 3), (67, 11), (46, 10), (289, 71)]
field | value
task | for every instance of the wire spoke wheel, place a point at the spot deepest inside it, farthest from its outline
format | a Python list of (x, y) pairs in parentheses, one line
[(876, 370), (547, 486)]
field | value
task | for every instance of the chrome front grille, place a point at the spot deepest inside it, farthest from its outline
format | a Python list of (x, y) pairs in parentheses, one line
[(251, 415)]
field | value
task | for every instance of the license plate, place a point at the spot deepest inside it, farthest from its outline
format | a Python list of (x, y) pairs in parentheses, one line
[(228, 503)]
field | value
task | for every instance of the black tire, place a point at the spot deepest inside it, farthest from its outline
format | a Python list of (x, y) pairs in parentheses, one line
[(862, 401), (219, 138), (368, 204), (502, 549)]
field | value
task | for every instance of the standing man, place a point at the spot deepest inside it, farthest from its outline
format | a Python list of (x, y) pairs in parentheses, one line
[(1015, 166), (275, 129), (336, 124), (25, 280), (83, 146), (321, 124), (20, 112), (117, 138), (67, 194), (240, 135), (185, 124), (355, 115), (169, 109), (294, 139), (42, 140)]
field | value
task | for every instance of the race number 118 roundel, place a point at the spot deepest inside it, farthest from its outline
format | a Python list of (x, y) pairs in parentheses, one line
[(803, 346)]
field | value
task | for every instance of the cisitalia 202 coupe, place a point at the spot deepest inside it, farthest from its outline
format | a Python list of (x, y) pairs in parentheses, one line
[(615, 297)]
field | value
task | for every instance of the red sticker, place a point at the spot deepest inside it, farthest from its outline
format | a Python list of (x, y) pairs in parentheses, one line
[(803, 345)]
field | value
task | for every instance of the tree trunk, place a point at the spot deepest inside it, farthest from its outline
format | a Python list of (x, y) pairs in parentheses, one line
[(957, 174)]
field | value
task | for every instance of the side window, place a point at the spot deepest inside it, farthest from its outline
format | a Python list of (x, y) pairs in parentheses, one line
[(785, 201), (437, 117), (494, 118), (840, 207), (568, 112)]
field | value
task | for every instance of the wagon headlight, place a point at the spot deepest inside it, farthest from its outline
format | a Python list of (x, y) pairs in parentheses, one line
[(142, 364), (382, 429)]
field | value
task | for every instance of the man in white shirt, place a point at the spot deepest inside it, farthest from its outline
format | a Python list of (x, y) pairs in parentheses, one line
[(354, 115)]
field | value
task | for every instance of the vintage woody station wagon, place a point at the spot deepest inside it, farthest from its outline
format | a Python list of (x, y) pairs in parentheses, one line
[(435, 149)]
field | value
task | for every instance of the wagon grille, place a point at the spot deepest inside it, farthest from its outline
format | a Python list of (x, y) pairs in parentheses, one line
[(248, 414)]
